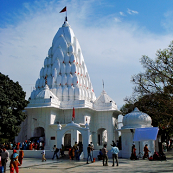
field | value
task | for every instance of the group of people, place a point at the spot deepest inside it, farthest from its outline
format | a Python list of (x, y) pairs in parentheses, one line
[(133, 152), (114, 152), (156, 155), (103, 154), (58, 152), (75, 151), (15, 159), (26, 145)]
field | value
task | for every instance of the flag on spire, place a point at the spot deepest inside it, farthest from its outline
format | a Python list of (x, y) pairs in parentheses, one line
[(73, 115), (63, 10)]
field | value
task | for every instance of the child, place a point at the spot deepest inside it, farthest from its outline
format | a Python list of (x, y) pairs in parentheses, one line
[(43, 156)]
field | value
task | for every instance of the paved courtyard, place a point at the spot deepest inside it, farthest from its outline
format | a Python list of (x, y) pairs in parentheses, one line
[(125, 165)]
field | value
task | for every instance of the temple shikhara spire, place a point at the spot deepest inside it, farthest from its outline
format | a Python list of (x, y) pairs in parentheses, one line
[(65, 70)]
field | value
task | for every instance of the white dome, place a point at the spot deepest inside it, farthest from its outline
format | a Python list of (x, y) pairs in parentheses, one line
[(46, 94), (136, 119)]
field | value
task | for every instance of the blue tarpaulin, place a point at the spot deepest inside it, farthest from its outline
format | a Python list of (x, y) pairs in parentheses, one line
[(145, 134)]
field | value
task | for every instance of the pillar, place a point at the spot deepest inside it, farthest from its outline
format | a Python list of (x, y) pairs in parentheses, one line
[(59, 136), (74, 136)]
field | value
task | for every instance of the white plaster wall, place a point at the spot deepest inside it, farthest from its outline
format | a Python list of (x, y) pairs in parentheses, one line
[(127, 141), (103, 119), (53, 116), (22, 136), (52, 133), (65, 116)]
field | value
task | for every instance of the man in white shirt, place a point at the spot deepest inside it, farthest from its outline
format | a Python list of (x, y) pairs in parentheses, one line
[(4, 158), (92, 146), (115, 152)]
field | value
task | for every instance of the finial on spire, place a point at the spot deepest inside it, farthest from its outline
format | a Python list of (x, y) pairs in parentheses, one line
[(103, 83), (63, 10)]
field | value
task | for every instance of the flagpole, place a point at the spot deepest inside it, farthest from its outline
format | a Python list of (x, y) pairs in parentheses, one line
[(63, 10)]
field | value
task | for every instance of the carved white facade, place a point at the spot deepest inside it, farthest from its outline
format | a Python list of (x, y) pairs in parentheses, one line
[(64, 83)]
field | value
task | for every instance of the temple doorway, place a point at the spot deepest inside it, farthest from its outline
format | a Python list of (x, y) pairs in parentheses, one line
[(69, 139), (102, 136)]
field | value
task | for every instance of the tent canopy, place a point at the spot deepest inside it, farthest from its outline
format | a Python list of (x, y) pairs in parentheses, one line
[(145, 134)]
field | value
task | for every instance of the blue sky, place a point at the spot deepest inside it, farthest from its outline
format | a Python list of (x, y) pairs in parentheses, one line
[(113, 36), (151, 15)]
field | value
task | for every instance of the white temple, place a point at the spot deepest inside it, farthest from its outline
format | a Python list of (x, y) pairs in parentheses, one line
[(64, 84)]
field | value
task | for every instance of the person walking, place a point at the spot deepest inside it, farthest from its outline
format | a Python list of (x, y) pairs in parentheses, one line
[(89, 149), (21, 155), (14, 164), (43, 156), (92, 148), (56, 150), (146, 150), (105, 156), (133, 154), (115, 152), (4, 158)]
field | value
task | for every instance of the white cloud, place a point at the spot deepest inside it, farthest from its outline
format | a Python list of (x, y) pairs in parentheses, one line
[(131, 11), (167, 22), (122, 14), (111, 50), (117, 19)]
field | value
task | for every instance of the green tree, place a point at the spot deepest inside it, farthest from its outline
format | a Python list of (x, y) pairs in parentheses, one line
[(12, 104), (153, 91)]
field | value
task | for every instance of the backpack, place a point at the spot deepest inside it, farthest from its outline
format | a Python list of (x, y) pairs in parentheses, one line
[(56, 150)]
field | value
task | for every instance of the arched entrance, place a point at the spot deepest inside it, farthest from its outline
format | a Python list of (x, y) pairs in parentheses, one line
[(102, 136), (75, 130), (39, 132)]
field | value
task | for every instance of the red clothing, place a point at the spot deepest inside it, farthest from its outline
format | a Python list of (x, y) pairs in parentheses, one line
[(14, 166), (30, 146), (146, 150), (35, 147), (17, 147), (134, 151), (21, 155)]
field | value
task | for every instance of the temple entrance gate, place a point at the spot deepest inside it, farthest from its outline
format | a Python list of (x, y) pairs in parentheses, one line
[(74, 127)]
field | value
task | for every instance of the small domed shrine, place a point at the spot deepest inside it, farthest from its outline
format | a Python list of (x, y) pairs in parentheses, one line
[(135, 124), (64, 92), (136, 119)]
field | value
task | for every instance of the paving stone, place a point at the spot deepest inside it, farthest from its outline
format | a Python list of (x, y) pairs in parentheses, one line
[(33, 165)]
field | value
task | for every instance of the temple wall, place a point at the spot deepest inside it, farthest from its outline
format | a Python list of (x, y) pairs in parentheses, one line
[(102, 124)]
